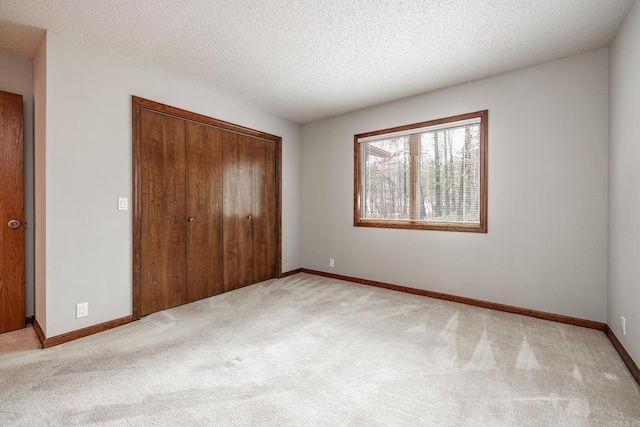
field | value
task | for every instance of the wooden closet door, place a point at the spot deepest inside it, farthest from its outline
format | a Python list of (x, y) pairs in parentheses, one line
[(164, 219), (11, 209), (238, 210), (264, 210), (249, 210), (204, 209)]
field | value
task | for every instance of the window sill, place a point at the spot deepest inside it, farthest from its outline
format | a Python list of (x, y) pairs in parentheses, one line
[(421, 225)]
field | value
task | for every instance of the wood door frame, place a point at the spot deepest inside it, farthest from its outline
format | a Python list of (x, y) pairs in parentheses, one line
[(139, 104)]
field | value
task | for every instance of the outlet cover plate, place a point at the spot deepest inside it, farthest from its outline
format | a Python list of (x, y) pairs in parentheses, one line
[(82, 310)]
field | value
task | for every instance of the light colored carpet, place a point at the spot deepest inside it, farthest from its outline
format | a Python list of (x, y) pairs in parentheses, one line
[(311, 351)]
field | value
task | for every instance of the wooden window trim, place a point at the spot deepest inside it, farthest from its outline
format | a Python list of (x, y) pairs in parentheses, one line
[(481, 227)]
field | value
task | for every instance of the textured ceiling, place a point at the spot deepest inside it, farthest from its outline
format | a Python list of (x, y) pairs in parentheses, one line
[(310, 59)]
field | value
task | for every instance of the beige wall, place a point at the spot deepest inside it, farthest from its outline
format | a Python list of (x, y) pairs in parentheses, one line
[(88, 166), (624, 184), (40, 180), (16, 77), (546, 248)]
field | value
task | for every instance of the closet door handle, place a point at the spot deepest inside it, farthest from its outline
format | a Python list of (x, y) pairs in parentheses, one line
[(249, 217), (190, 220)]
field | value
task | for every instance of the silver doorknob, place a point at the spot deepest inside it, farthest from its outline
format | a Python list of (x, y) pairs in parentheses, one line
[(190, 220), (249, 217), (14, 223)]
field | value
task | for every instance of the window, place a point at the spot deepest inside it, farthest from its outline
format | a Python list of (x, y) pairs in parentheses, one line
[(430, 175)]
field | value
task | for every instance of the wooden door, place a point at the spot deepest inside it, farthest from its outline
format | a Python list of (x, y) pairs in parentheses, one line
[(12, 311), (204, 209), (250, 235), (164, 218), (238, 209), (264, 210), (206, 203)]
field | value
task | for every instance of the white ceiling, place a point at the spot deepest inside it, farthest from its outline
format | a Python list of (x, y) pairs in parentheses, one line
[(310, 59)]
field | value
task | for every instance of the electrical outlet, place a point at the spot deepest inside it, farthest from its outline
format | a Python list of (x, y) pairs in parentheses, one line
[(331, 263), (82, 310), (623, 325)]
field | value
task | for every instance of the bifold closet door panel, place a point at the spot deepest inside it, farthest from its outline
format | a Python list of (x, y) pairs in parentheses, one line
[(12, 310), (264, 210), (204, 211), (164, 219), (237, 207)]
